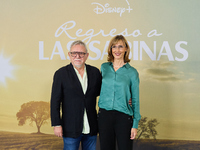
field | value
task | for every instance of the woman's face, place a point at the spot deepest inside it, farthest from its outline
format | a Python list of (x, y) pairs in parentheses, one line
[(118, 50)]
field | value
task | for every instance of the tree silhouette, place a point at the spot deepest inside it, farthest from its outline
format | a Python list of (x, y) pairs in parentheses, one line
[(147, 129), (34, 111)]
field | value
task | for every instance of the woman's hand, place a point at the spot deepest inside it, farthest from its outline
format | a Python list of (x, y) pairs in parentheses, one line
[(133, 133)]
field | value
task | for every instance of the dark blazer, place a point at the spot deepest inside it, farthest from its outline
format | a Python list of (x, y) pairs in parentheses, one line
[(67, 92)]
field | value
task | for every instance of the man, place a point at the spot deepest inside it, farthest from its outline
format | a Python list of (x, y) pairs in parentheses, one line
[(75, 89)]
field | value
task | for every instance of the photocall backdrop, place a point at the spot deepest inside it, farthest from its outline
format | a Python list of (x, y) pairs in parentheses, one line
[(35, 37)]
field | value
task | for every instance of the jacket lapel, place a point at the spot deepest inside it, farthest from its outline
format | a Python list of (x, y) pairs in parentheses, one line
[(77, 82), (89, 77)]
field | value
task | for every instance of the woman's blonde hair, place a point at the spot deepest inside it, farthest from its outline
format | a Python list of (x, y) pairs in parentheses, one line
[(114, 41)]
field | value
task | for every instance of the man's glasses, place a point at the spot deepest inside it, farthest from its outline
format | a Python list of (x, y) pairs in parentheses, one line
[(119, 47), (80, 54)]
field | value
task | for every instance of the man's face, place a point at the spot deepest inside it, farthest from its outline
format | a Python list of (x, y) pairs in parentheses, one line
[(78, 55)]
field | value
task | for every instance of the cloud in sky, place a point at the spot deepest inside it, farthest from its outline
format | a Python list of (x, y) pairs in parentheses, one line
[(163, 71), (161, 64), (168, 79), (159, 72)]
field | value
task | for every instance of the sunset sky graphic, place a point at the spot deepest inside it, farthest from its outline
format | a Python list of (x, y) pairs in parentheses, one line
[(6, 69)]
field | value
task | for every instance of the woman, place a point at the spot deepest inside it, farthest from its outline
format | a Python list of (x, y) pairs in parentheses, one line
[(118, 121)]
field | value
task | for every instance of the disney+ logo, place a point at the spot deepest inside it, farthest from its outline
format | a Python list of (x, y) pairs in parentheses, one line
[(100, 9)]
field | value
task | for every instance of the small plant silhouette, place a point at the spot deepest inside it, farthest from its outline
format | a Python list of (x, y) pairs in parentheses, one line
[(34, 111), (147, 129)]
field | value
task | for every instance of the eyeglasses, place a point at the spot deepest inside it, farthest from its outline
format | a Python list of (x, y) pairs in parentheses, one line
[(119, 47), (80, 54)]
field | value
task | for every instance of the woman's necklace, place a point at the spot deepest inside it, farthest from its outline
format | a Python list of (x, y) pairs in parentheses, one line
[(118, 66)]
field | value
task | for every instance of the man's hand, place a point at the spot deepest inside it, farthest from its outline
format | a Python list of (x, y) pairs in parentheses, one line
[(133, 133), (58, 131), (130, 102)]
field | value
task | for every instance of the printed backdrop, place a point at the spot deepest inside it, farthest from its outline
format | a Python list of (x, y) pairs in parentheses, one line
[(163, 35)]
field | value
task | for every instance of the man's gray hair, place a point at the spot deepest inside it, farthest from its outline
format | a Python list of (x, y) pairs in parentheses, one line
[(79, 42)]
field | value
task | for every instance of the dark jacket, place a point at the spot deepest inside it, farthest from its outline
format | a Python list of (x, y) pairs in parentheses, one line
[(67, 92)]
